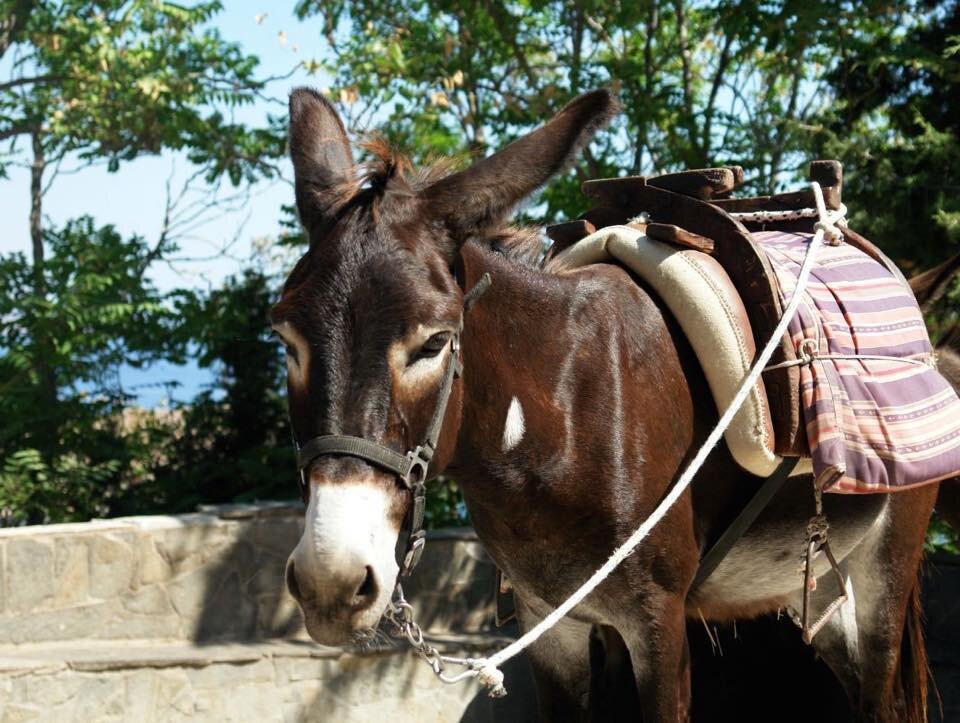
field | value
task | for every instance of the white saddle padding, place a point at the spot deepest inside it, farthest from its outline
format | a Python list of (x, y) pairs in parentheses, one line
[(708, 308)]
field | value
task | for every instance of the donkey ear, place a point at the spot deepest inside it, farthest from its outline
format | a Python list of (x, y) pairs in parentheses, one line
[(320, 152), (488, 191)]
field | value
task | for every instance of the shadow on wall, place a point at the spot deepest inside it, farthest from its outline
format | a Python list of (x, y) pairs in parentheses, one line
[(244, 596), (244, 600), (452, 591)]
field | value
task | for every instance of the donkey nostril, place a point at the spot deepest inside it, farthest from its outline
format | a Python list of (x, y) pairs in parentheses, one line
[(292, 585), (367, 592)]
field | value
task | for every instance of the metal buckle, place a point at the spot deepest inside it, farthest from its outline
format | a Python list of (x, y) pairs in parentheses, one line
[(419, 462), (414, 552), (419, 506)]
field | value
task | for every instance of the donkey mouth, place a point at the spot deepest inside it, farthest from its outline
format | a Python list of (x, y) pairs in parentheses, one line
[(348, 627)]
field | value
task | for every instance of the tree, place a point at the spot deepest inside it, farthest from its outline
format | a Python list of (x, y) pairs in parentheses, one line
[(104, 81), (234, 442), (98, 313), (701, 84), (111, 80), (896, 120)]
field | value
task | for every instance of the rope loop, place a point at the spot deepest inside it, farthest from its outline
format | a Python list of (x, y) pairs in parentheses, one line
[(491, 678)]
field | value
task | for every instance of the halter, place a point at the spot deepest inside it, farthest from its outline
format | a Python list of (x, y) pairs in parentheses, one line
[(410, 468)]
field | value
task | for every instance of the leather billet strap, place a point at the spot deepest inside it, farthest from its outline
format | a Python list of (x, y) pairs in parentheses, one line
[(410, 468)]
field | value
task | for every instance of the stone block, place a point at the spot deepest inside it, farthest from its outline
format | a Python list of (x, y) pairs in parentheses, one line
[(20, 713), (152, 567), (140, 696), (53, 690), (279, 615), (29, 574), (170, 684), (149, 600), (127, 626), (277, 536), (228, 675), (71, 570), (188, 592), (267, 577), (249, 702), (3, 584), (113, 564), (75, 623), (295, 670), (189, 548), (100, 699), (227, 613)]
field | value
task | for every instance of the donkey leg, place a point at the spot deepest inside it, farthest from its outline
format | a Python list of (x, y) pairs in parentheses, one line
[(864, 641), (561, 665), (661, 659)]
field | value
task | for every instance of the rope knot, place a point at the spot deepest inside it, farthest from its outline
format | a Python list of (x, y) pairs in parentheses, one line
[(831, 234), (491, 678)]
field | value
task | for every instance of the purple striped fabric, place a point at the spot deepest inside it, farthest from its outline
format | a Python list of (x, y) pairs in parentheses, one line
[(873, 425)]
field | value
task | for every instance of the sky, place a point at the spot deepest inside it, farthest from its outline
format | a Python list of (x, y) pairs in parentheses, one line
[(133, 198)]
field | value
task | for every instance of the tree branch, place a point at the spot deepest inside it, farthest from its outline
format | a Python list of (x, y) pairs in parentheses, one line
[(32, 80), (707, 141)]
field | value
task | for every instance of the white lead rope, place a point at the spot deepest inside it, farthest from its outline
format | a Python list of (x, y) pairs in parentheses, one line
[(487, 670)]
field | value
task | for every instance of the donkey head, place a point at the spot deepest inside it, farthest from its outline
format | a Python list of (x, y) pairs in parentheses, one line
[(367, 316)]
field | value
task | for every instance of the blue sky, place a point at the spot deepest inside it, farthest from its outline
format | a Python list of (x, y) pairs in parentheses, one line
[(134, 197)]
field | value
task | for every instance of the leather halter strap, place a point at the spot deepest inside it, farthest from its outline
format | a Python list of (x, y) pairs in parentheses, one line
[(410, 468)]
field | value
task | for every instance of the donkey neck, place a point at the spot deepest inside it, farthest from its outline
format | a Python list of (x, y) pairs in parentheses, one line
[(572, 382)]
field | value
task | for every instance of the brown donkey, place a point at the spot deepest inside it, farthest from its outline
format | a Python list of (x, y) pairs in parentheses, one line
[(578, 405)]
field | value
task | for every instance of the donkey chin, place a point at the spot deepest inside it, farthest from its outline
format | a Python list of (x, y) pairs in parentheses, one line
[(343, 570)]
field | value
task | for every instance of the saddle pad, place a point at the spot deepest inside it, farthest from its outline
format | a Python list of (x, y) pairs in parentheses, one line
[(708, 308), (874, 425)]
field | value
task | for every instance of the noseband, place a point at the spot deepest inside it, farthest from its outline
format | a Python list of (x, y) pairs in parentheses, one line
[(410, 469)]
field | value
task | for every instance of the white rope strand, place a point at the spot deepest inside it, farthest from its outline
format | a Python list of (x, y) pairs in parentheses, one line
[(836, 217), (487, 669)]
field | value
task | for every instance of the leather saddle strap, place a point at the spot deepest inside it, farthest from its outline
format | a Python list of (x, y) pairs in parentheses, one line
[(771, 485)]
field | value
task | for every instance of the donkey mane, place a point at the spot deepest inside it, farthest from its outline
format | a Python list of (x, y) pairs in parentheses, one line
[(387, 180)]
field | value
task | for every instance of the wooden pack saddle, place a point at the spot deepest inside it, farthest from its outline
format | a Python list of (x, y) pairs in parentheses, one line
[(692, 209)]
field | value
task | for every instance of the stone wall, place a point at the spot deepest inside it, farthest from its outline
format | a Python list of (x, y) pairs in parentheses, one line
[(173, 617), (216, 575)]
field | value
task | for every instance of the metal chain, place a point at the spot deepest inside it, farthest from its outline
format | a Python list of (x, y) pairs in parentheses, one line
[(400, 614)]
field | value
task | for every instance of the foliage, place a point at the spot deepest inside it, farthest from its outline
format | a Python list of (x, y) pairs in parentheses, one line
[(896, 124), (445, 505), (234, 440), (111, 79), (941, 537), (701, 83), (89, 82), (101, 312)]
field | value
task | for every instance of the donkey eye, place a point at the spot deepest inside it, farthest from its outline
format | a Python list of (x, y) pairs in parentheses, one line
[(288, 348), (433, 346)]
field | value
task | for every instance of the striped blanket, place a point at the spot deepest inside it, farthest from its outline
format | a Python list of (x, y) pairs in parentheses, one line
[(874, 425)]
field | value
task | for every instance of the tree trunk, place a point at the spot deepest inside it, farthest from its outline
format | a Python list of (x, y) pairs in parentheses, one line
[(36, 213), (46, 427)]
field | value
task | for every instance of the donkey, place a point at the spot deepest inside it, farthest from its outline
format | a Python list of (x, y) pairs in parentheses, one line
[(579, 404)]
